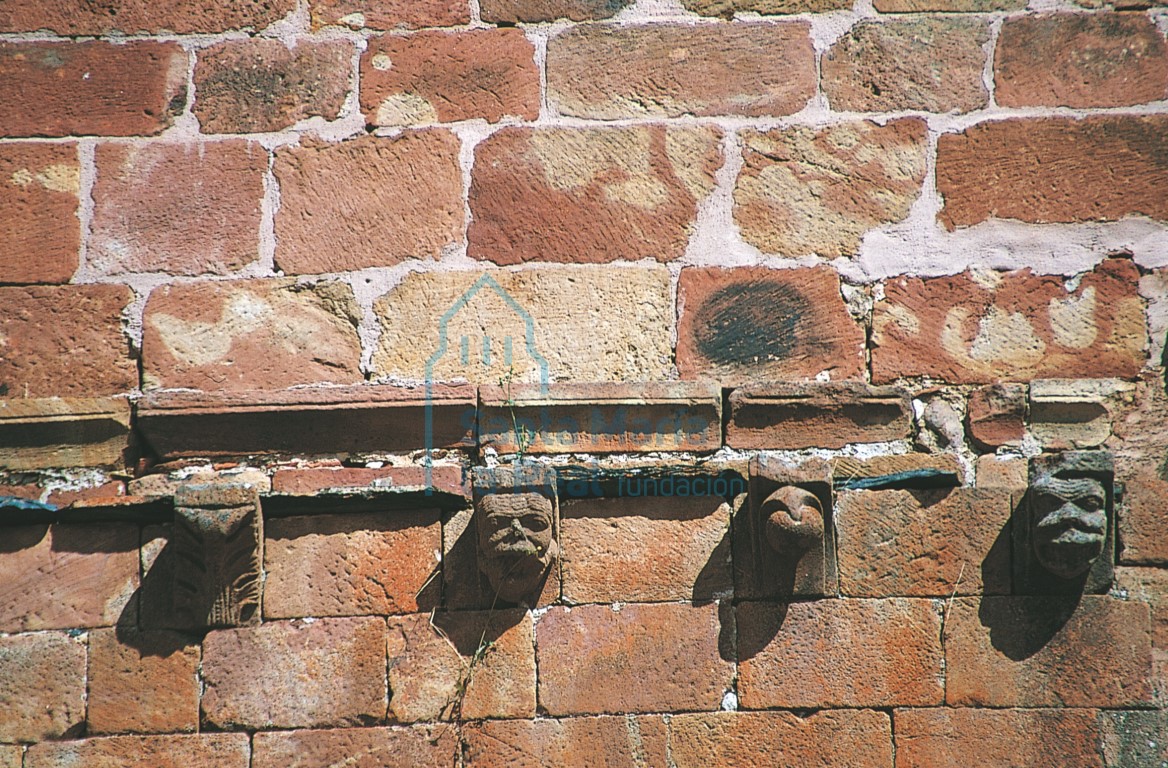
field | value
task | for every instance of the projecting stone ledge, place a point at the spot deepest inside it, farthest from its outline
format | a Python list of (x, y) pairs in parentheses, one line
[(39, 433)]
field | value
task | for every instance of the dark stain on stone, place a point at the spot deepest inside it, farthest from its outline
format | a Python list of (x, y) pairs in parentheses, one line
[(752, 323)]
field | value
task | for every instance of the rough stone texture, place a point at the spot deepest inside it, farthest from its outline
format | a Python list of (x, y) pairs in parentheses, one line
[(420, 746), (142, 682), (1012, 326), (1002, 472), (250, 334), (613, 72), (923, 543), (948, 6), (38, 433), (590, 656), (787, 416), (591, 324), (41, 236), (589, 195), (996, 415), (727, 8), (256, 85), (351, 564), (140, 16), (847, 469), (1141, 449), (461, 665), (90, 88), (190, 208), (1054, 169), (42, 686), (1149, 585), (1046, 651), (839, 653), (931, 64), (577, 742), (11, 755), (510, 11), (222, 750), (1010, 738), (805, 190), (444, 77), (64, 342), (336, 667), (1075, 413), (389, 14), (844, 739), (1080, 60), (761, 324), (66, 576), (1134, 739), (314, 480), (342, 205), (646, 549), (108, 490)]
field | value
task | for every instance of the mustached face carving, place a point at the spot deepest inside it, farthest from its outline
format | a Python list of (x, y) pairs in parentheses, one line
[(516, 542), (1069, 522)]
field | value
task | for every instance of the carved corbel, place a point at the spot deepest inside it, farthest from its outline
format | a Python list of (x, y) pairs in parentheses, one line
[(517, 522)]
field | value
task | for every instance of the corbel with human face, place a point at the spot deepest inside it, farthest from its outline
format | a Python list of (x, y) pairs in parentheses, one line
[(516, 522)]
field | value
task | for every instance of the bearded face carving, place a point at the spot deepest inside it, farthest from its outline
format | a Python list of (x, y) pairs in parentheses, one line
[(515, 517)]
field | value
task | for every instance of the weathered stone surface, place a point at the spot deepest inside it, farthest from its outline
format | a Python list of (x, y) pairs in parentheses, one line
[(848, 470), (11, 755), (335, 666), (727, 8), (948, 6), (190, 208), (588, 655), (752, 323), (37, 433), (39, 184), (311, 481), (613, 72), (779, 416), (1075, 413), (932, 64), (65, 341), (107, 491), (422, 746), (389, 14), (66, 576), (589, 195), (42, 686), (1054, 169), (851, 739), (996, 414), (90, 88), (250, 334), (444, 77), (1134, 739), (254, 85), (1080, 60), (600, 418), (924, 543), (461, 666), (222, 750), (517, 530), (1148, 585), (1002, 472), (839, 653), (1046, 651), (495, 11), (342, 207), (168, 483), (351, 564), (805, 190), (1011, 326), (140, 16), (586, 324), (1010, 738), (645, 549), (1140, 445), (142, 682), (576, 742)]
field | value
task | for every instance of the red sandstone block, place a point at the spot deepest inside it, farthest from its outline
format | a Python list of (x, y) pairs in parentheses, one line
[(221, 750), (996, 414), (309, 482), (419, 746), (293, 674), (577, 742), (1045, 651), (761, 324), (142, 682), (65, 341), (42, 686), (444, 77), (67, 576), (786, 416), (589, 195), (110, 490), (250, 334), (351, 564), (1008, 738), (1054, 169), (613, 72), (839, 653), (510, 11), (140, 16), (342, 207), (180, 208), (924, 543), (244, 86), (457, 666), (38, 194), (1140, 445), (840, 739), (645, 549), (727, 8), (641, 658), (1080, 60), (1134, 739), (1149, 585), (1019, 326), (90, 88), (390, 14)]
